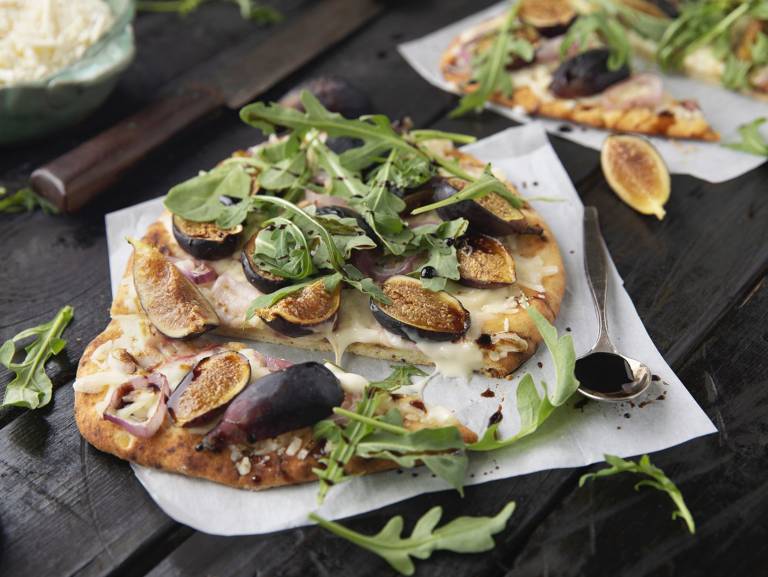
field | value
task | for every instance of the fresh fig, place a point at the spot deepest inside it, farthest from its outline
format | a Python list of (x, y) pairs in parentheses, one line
[(205, 240), (261, 278), (173, 304), (297, 314), (550, 17), (484, 262)]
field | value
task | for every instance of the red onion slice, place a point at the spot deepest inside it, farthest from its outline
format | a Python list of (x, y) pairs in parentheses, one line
[(272, 363), (641, 90), (379, 268), (196, 271), (156, 415)]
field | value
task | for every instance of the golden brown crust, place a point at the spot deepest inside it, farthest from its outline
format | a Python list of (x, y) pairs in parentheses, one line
[(173, 448), (642, 120)]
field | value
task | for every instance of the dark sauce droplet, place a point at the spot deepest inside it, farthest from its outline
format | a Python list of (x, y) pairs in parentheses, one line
[(603, 373), (428, 272), (488, 393)]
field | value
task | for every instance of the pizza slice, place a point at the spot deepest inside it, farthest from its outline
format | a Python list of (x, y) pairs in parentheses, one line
[(547, 58), (396, 246), (227, 413)]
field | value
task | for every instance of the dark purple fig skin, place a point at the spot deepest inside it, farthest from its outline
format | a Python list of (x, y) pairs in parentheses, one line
[(334, 93), (283, 401), (402, 328), (417, 196), (346, 212), (480, 218), (204, 248), (586, 74), (263, 281)]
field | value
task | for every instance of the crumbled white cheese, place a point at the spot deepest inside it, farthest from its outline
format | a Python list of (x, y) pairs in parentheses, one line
[(302, 454), (243, 466), (294, 447), (40, 37)]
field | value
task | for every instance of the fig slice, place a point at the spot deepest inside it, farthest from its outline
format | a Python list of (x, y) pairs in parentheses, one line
[(550, 17), (491, 213), (173, 304), (484, 262), (205, 240), (283, 401), (586, 74), (262, 279), (207, 389), (636, 172), (416, 313), (298, 313)]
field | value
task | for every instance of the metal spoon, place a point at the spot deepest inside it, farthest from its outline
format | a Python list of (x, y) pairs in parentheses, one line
[(604, 355)]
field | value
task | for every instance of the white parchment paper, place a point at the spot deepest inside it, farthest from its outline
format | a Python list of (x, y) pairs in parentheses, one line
[(725, 110), (572, 437)]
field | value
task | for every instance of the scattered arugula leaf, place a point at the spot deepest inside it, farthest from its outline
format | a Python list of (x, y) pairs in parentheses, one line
[(534, 410), (607, 28), (658, 480), (249, 10), (31, 388), (462, 535), (24, 200), (751, 140), (345, 438), (282, 249), (439, 242)]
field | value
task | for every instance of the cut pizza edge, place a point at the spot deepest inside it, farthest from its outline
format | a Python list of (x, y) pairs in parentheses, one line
[(677, 119), (130, 357)]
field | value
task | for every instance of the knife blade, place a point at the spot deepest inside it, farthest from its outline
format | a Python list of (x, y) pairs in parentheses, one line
[(232, 79)]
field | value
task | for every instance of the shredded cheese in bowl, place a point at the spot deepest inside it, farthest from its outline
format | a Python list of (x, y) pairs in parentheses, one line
[(41, 37)]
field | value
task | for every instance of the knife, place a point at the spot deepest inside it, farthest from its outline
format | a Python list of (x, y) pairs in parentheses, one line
[(231, 79)]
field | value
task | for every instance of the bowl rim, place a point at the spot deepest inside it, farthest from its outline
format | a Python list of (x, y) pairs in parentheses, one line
[(121, 27)]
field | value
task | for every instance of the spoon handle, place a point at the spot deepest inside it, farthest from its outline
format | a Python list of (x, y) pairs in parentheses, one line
[(597, 273)]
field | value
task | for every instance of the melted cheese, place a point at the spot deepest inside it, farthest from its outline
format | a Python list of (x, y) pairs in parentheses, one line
[(40, 37), (351, 382)]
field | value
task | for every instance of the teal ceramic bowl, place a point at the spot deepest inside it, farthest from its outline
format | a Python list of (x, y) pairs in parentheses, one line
[(34, 109)]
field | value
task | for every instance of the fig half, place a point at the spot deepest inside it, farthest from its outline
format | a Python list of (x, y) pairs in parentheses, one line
[(208, 388), (174, 305), (484, 262), (586, 74), (298, 313), (636, 172), (205, 240), (262, 279), (490, 214), (550, 17), (283, 401), (416, 313)]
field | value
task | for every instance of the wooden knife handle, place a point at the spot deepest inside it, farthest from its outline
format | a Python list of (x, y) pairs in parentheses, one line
[(73, 179)]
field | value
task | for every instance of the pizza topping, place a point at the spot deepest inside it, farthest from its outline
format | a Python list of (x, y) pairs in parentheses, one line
[(549, 17), (208, 387), (261, 278), (283, 401), (297, 314), (196, 271), (586, 74), (485, 262), (490, 213), (205, 240), (639, 91), (636, 173), (174, 305), (139, 405), (416, 313)]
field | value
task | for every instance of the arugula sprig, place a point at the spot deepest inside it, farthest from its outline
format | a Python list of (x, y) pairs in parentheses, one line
[(607, 29), (24, 200), (751, 140), (249, 10), (534, 410), (31, 388), (462, 535), (658, 480)]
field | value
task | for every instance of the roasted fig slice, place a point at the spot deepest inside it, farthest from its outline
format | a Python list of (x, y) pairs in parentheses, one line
[(174, 305), (636, 173), (484, 262), (491, 213), (586, 74), (262, 279), (550, 17), (287, 400), (416, 313), (297, 314), (208, 388), (205, 240)]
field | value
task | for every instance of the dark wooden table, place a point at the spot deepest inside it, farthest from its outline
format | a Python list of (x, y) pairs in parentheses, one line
[(697, 279)]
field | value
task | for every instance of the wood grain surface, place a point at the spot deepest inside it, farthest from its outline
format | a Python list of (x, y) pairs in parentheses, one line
[(695, 278)]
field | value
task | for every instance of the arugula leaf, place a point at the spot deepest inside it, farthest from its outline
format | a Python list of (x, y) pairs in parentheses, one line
[(289, 172), (341, 181), (24, 200), (534, 410), (751, 140), (492, 73), (462, 535), (736, 72), (345, 438), (658, 480), (439, 242), (607, 29), (270, 299), (249, 9), (282, 249), (484, 185), (31, 387)]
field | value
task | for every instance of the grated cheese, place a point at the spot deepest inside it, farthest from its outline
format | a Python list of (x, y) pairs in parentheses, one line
[(40, 37)]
